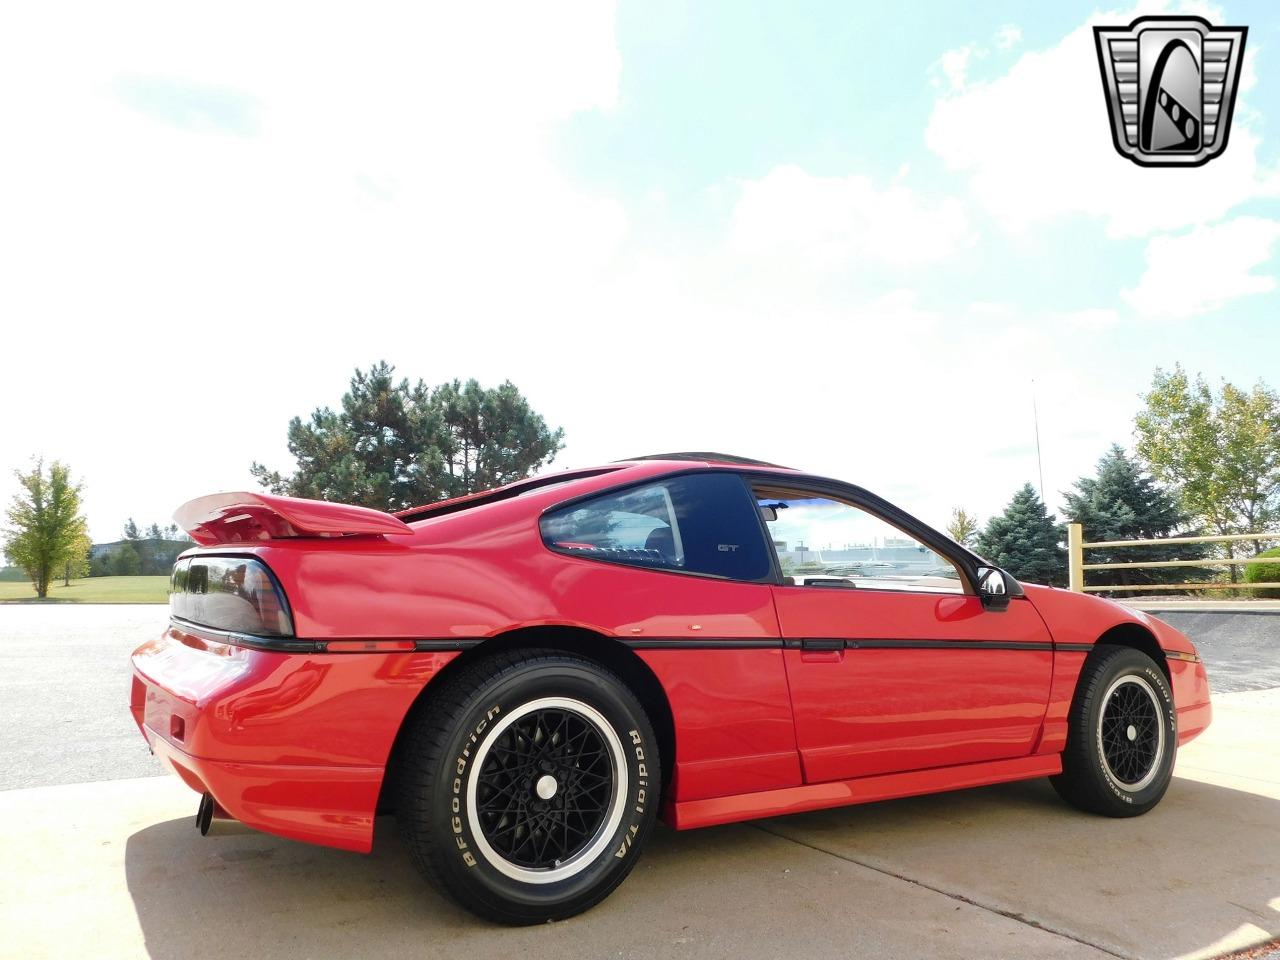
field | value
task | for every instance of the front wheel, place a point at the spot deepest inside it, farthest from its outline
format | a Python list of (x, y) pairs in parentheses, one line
[(528, 784), (1122, 735)]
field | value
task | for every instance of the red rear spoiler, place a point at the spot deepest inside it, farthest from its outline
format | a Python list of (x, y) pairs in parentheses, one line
[(249, 517)]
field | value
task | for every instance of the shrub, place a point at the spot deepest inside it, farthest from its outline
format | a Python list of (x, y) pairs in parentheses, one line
[(1265, 573)]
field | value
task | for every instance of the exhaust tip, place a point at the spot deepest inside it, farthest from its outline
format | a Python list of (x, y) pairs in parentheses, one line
[(204, 813), (212, 819)]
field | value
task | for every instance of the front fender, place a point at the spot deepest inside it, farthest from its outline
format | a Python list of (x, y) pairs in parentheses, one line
[(1082, 618), (1078, 620)]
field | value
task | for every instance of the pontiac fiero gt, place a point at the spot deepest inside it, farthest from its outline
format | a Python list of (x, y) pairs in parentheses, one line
[(531, 675)]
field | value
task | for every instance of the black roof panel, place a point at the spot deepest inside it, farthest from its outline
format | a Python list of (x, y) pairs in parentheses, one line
[(701, 455)]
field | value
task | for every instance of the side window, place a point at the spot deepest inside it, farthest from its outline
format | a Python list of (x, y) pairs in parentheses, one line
[(698, 523), (826, 543)]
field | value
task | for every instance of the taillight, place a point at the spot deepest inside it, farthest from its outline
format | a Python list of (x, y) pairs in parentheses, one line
[(236, 594)]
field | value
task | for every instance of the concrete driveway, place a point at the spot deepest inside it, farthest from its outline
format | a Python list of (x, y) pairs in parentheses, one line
[(116, 869)]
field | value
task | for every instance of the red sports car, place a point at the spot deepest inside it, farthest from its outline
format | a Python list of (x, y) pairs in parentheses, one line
[(529, 676)]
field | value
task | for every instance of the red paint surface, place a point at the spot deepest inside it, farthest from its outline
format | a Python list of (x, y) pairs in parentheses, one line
[(839, 793), (1191, 698), (248, 517), (862, 712), (297, 744), (733, 710), (1066, 671), (288, 743)]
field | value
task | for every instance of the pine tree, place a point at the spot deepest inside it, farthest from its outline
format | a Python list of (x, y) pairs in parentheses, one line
[(395, 445), (1124, 503), (1026, 541)]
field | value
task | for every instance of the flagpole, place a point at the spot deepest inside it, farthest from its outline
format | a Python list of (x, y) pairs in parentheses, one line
[(1035, 418)]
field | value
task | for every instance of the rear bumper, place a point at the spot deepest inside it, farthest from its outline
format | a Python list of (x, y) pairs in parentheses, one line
[(291, 744), (326, 805)]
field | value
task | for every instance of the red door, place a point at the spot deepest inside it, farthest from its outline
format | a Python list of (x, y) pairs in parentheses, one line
[(893, 662), (884, 681)]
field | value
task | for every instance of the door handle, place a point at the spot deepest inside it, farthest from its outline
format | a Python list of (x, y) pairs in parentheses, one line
[(821, 650), (821, 643)]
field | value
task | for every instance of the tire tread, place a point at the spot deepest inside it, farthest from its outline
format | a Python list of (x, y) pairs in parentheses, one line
[(1078, 784), (426, 735)]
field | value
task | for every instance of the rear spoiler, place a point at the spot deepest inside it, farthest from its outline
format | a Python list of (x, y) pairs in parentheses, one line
[(250, 517)]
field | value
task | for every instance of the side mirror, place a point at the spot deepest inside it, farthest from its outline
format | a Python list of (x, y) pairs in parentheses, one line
[(993, 588)]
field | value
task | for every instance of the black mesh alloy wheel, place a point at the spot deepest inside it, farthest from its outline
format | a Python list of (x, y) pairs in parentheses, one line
[(1130, 732), (527, 784), (546, 786), (1122, 735)]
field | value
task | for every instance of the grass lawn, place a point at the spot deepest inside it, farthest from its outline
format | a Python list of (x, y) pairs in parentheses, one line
[(93, 590)]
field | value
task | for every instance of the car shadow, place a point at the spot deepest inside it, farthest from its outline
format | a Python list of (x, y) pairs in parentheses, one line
[(1197, 876), (997, 871)]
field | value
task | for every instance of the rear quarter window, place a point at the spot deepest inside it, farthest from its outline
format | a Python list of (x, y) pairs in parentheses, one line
[(704, 523)]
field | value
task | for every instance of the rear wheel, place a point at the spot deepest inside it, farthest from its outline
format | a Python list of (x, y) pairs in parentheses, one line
[(1122, 735), (527, 785)]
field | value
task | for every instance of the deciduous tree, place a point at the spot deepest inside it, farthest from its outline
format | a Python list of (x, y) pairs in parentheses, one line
[(45, 523), (963, 527), (1221, 452), (125, 561), (77, 563)]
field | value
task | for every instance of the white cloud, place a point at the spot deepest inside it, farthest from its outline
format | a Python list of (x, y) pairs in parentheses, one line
[(950, 72), (1036, 145), (792, 217), (1199, 271), (1010, 35), (266, 198), (207, 227), (953, 67)]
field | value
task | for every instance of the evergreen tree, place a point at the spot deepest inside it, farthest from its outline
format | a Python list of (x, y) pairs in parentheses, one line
[(1026, 541), (395, 445), (1122, 503), (491, 437)]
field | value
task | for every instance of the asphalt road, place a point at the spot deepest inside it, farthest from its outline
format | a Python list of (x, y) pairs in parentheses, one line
[(64, 684), (1241, 651), (117, 870), (64, 693)]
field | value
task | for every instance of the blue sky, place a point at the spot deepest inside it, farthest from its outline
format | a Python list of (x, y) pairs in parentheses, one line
[(710, 93), (844, 236)]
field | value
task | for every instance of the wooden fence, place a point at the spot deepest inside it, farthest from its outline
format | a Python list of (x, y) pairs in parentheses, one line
[(1076, 546)]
